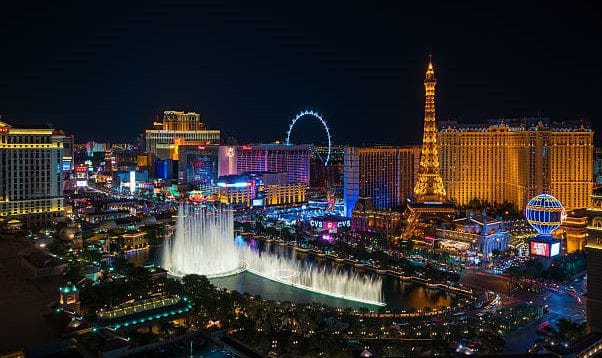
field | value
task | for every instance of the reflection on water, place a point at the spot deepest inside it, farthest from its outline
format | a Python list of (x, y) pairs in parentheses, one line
[(397, 294)]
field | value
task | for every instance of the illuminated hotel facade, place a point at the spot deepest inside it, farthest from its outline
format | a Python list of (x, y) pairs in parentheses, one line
[(386, 175), (282, 158), (178, 128), (260, 189), (514, 160), (31, 183)]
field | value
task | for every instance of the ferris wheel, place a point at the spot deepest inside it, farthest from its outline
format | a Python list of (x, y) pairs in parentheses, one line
[(317, 116)]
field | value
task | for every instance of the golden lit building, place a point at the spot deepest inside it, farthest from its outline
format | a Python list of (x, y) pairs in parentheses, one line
[(31, 183), (384, 174), (582, 225), (178, 128), (259, 189), (573, 231), (364, 218), (134, 240), (285, 194), (515, 160)]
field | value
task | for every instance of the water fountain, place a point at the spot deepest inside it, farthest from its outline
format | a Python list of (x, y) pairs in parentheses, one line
[(282, 265), (203, 243)]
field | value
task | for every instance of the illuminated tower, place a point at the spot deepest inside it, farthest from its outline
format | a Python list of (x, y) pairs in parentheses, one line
[(429, 187), (429, 198)]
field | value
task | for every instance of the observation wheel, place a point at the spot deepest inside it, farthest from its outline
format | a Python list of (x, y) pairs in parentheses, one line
[(317, 116)]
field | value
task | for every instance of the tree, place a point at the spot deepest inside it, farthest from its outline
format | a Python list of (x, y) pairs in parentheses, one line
[(122, 265), (76, 271), (197, 287), (570, 331)]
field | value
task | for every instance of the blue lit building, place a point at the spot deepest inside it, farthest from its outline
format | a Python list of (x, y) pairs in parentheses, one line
[(164, 169), (384, 174), (198, 165)]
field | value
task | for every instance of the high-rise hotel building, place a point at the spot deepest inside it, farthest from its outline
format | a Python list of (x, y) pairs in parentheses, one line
[(386, 175), (277, 158), (514, 160), (178, 128), (31, 183)]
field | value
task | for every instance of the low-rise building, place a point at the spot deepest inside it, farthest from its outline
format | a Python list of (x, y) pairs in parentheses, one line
[(364, 218), (260, 189), (95, 218), (134, 240), (480, 232)]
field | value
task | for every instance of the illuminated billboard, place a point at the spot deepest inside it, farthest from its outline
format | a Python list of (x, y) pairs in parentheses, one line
[(540, 248), (545, 248), (555, 249), (66, 165)]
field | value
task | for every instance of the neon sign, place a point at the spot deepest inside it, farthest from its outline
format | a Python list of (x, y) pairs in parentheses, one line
[(330, 225)]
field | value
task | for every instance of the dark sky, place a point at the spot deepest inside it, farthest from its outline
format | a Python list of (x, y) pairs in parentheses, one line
[(103, 70)]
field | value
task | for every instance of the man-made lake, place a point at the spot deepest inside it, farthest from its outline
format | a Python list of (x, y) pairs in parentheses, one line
[(397, 294)]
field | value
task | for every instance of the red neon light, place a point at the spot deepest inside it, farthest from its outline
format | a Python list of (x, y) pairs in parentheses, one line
[(200, 147), (3, 129), (247, 147)]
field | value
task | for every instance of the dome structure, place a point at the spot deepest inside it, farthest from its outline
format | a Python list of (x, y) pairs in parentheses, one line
[(545, 214)]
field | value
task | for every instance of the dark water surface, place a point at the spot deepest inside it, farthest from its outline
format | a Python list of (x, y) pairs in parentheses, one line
[(397, 294)]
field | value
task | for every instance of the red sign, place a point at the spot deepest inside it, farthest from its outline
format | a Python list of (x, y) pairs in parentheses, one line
[(540, 248), (3, 129)]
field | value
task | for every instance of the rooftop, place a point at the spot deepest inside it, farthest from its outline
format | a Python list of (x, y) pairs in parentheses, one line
[(513, 124)]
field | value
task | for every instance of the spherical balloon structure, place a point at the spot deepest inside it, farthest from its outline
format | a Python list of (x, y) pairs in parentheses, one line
[(545, 214)]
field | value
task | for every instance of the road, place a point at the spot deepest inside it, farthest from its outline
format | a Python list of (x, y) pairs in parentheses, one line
[(561, 303)]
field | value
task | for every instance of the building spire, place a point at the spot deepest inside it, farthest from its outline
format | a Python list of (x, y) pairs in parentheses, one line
[(430, 71)]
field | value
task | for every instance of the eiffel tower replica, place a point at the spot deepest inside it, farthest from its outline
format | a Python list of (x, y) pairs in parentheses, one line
[(429, 199)]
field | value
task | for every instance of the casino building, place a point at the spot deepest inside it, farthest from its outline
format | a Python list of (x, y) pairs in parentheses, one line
[(259, 189), (290, 159), (477, 232), (31, 182), (515, 159), (178, 128), (384, 174)]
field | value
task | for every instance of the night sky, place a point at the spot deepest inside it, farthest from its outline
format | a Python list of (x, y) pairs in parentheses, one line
[(103, 70)]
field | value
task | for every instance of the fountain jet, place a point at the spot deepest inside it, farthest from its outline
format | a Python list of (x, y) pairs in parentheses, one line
[(203, 243)]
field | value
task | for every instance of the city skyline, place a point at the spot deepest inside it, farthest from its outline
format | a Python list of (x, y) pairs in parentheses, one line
[(273, 179), (116, 71)]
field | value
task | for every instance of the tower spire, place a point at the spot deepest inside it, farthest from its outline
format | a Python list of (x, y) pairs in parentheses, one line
[(430, 71), (429, 186)]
